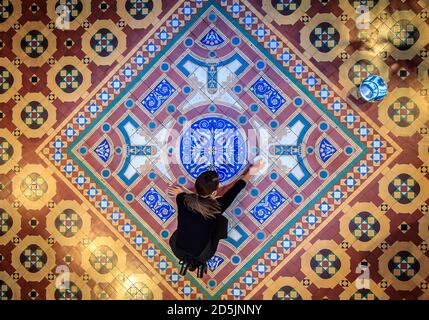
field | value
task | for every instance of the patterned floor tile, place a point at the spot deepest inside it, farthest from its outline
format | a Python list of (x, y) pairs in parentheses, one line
[(105, 104)]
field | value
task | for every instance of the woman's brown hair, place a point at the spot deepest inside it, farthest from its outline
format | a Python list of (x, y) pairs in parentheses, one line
[(202, 201)]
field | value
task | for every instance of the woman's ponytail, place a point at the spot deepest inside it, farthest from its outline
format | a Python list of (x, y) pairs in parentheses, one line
[(202, 201), (208, 207)]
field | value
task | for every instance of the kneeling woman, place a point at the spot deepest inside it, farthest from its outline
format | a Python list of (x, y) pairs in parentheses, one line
[(200, 223)]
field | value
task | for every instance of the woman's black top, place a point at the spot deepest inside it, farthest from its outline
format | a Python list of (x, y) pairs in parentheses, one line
[(194, 231)]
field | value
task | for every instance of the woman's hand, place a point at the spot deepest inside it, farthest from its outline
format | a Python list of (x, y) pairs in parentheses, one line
[(253, 169), (173, 191), (256, 167)]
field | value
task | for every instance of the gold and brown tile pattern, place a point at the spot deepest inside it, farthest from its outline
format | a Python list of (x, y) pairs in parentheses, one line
[(51, 62)]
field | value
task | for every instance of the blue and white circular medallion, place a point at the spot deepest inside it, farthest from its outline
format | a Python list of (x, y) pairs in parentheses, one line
[(213, 143)]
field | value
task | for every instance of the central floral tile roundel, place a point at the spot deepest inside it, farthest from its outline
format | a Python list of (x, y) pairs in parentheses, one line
[(213, 143), (211, 95)]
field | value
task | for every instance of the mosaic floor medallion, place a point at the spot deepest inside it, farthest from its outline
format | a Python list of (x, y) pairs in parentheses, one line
[(210, 89), (104, 104)]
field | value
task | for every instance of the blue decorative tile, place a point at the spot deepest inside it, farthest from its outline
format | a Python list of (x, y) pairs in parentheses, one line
[(337, 194), (273, 256), (299, 127), (260, 32), (105, 96), (235, 8), (138, 240), (237, 236), (163, 35), (363, 169), (237, 292), (139, 150), (58, 156), (267, 206), (135, 154), (128, 72), (188, 64), (92, 192), (187, 10), (127, 228), (261, 268), (139, 60), (175, 23), (153, 199), (363, 131), (70, 132), (298, 231), (116, 84), (248, 280), (103, 150), (337, 106), (377, 144), (151, 252), (248, 20), (324, 207), (350, 118), (376, 156), (350, 182), (163, 264), (213, 143), (312, 219), (103, 204), (282, 150), (115, 216), (267, 94), (151, 47), (187, 290), (311, 81), (212, 38), (273, 44), (58, 144), (324, 94), (92, 108), (326, 150), (299, 68), (81, 120), (214, 263), (174, 277), (80, 180), (156, 98)]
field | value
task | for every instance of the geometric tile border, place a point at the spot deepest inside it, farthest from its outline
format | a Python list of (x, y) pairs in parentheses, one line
[(381, 149)]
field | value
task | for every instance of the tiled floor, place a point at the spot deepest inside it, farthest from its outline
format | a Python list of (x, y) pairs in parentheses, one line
[(101, 112)]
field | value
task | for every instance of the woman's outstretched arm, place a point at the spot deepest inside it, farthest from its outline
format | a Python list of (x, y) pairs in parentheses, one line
[(229, 196)]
